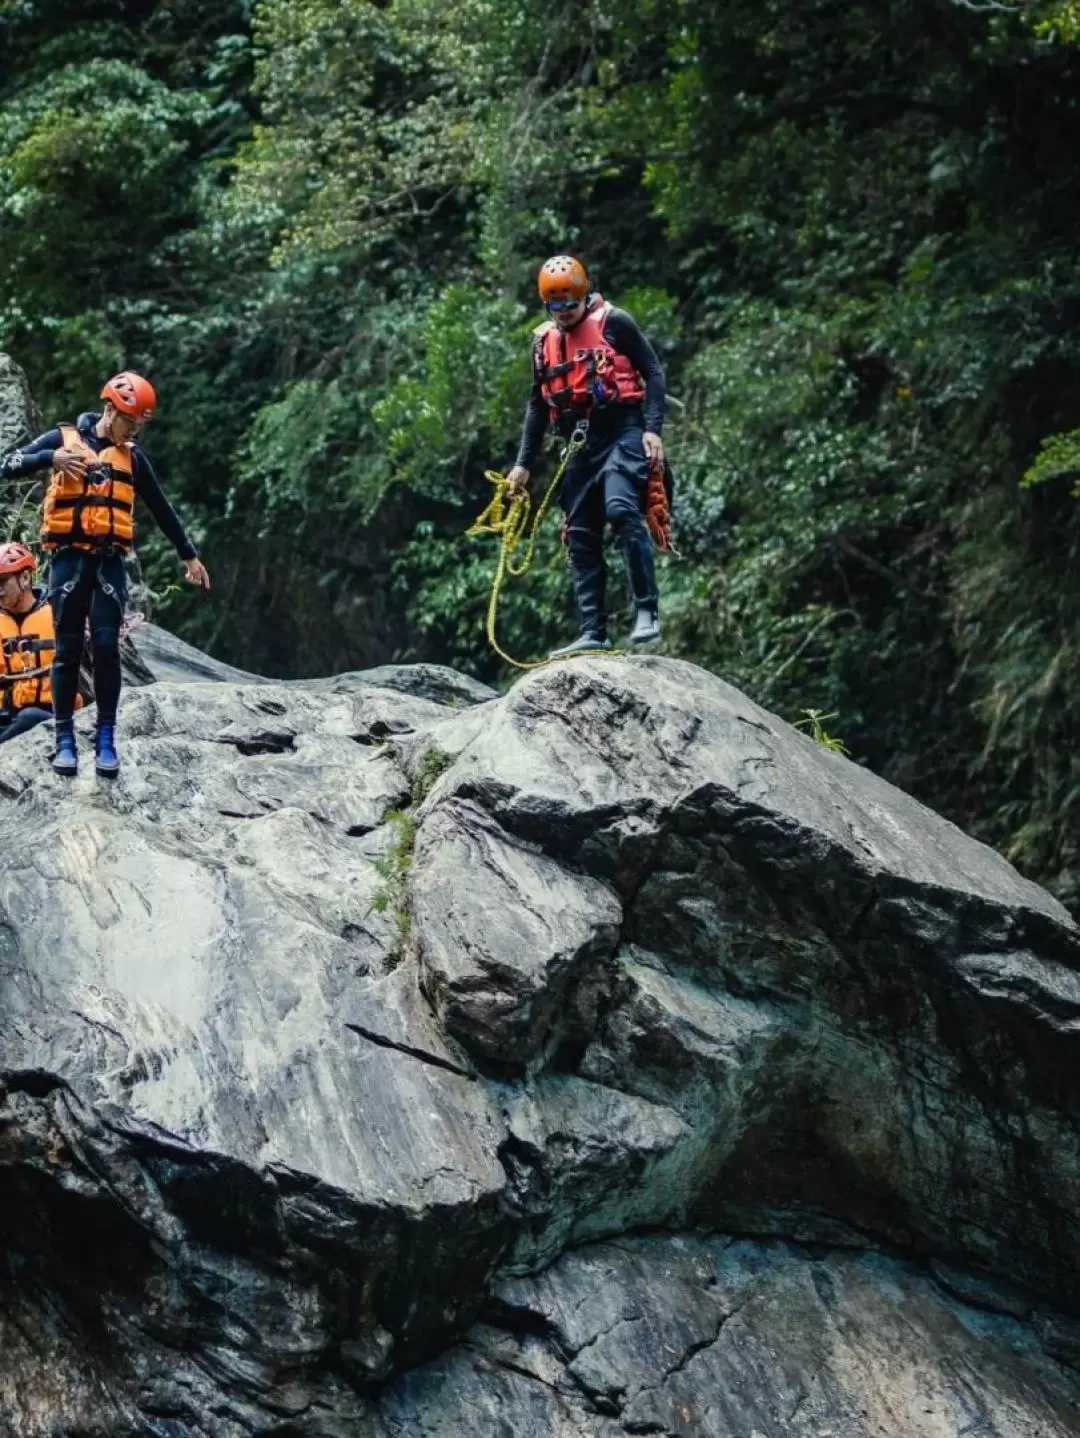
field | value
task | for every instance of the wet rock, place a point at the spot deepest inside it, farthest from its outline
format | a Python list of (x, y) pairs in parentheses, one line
[(160, 655), (152, 653), (691, 1335), (333, 1028), (504, 935)]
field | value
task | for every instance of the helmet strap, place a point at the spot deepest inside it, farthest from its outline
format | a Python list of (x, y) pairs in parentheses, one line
[(25, 596)]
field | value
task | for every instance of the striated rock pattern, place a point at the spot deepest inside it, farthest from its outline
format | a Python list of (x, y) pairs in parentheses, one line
[(19, 420), (381, 1056)]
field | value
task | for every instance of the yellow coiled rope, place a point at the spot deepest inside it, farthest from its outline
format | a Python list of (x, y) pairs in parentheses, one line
[(508, 520)]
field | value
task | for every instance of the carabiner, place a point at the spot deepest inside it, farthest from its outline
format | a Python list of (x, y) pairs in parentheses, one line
[(578, 436)]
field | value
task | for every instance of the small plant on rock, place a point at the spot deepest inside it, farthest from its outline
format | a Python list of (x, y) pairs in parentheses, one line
[(815, 722), (393, 866)]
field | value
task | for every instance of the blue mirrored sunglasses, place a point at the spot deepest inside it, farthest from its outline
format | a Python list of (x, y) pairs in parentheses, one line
[(560, 307)]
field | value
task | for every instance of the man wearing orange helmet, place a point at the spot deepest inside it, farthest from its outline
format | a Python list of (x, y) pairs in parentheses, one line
[(88, 525), (594, 368), (27, 642)]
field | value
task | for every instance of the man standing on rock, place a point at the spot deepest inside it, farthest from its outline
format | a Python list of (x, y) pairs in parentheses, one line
[(88, 526), (594, 369)]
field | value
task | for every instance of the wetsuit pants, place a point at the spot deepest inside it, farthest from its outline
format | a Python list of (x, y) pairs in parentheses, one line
[(22, 720), (606, 483), (85, 585)]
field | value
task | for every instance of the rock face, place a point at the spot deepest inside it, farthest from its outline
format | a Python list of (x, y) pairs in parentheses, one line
[(380, 1056), (18, 416), (19, 422)]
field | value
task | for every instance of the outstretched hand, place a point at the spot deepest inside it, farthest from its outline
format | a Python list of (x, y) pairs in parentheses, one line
[(196, 572)]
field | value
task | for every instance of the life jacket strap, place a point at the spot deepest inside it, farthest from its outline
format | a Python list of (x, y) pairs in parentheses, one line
[(91, 501)]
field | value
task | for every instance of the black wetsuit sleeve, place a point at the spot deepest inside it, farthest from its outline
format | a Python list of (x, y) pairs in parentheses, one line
[(536, 421), (148, 489), (38, 454), (625, 335)]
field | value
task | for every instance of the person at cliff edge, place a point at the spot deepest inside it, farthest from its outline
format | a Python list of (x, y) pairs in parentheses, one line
[(594, 368), (88, 525), (27, 642)]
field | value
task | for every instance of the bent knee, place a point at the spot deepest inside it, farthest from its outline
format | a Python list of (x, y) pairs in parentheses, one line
[(621, 511)]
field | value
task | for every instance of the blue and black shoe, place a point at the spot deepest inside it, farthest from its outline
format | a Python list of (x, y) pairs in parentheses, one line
[(65, 759), (106, 759)]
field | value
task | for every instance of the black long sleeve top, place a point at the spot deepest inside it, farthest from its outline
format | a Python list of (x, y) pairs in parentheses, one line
[(38, 454), (625, 335)]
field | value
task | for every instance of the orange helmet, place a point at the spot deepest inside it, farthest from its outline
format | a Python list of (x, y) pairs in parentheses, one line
[(131, 394), (563, 278), (15, 557)]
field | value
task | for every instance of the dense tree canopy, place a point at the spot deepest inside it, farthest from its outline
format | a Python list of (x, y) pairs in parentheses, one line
[(849, 230)]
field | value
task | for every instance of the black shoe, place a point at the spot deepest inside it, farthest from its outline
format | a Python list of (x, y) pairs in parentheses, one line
[(646, 627), (586, 644)]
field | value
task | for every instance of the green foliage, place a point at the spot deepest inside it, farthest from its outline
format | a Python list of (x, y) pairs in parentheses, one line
[(849, 231), (444, 585), (474, 368), (394, 864), (393, 868), (432, 764), (1058, 457), (1058, 23)]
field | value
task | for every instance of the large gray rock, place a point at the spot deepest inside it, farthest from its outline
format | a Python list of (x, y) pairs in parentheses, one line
[(19, 420), (331, 1029), (690, 1336), (154, 654)]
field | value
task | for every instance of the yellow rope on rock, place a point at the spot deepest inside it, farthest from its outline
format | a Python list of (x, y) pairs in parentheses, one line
[(509, 522)]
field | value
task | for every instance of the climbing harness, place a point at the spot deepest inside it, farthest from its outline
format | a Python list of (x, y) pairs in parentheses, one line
[(509, 521), (580, 368)]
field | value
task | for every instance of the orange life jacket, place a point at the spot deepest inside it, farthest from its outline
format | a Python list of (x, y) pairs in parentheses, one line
[(579, 369), (27, 641), (96, 510)]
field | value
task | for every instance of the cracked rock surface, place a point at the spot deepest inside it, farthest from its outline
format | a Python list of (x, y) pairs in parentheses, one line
[(693, 1336), (381, 1056), (19, 420)]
